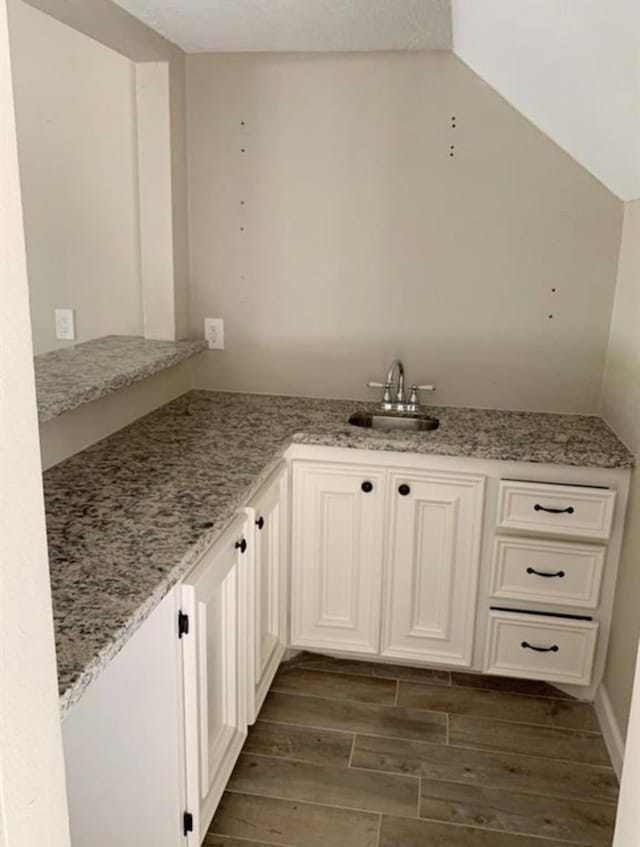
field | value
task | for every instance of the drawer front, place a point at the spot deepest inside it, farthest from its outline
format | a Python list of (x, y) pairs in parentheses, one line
[(560, 509), (551, 572), (538, 647)]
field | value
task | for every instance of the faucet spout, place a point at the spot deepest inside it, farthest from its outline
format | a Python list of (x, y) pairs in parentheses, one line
[(397, 364)]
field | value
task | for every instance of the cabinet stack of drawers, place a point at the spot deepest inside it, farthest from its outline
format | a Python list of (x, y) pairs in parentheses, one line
[(548, 558)]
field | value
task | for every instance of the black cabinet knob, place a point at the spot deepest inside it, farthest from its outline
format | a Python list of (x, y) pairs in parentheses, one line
[(367, 486), (260, 522), (241, 545), (404, 489)]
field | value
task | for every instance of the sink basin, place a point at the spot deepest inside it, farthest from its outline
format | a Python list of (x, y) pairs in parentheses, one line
[(390, 421)]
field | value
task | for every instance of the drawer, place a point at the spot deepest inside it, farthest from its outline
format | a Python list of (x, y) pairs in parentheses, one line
[(540, 647), (560, 509), (551, 572)]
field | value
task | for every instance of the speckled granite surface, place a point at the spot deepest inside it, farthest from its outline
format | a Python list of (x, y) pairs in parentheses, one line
[(68, 378), (128, 517)]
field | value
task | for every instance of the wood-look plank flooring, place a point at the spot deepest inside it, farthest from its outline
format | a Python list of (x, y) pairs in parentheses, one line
[(358, 754)]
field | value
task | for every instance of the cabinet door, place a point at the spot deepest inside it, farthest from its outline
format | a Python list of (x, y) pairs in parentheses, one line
[(215, 648), (267, 592), (336, 562), (432, 566)]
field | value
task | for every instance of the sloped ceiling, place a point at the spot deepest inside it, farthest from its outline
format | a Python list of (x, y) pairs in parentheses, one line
[(297, 25), (572, 67)]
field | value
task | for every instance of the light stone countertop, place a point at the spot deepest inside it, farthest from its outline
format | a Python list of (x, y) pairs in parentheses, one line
[(128, 517), (72, 376)]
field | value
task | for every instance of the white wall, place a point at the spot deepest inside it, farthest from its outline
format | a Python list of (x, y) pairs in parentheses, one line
[(621, 409), (571, 67), (33, 806), (628, 818), (364, 240), (76, 116)]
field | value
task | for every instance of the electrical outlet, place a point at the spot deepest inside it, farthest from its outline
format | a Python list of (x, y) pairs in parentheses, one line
[(214, 333), (65, 324)]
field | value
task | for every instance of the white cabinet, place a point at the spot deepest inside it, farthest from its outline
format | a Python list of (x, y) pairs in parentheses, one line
[(214, 598), (434, 529), (336, 561), (267, 593), (122, 743), (351, 524)]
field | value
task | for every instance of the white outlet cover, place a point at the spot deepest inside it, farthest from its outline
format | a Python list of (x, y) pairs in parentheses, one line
[(214, 333), (65, 324)]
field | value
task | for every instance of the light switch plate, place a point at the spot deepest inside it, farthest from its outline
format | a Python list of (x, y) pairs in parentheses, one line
[(214, 333), (65, 324)]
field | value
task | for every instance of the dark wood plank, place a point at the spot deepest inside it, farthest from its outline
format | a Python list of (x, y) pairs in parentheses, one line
[(497, 704), (510, 685), (405, 832), (335, 686), (485, 734), (508, 811), (331, 786), (389, 721), (526, 774), (293, 824), (319, 746), (381, 670)]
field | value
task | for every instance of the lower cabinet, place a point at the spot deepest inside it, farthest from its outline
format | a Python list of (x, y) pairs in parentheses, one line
[(435, 522), (385, 562), (337, 550), (215, 671), (267, 593)]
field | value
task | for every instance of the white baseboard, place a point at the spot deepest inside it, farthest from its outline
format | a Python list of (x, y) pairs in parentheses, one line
[(610, 729)]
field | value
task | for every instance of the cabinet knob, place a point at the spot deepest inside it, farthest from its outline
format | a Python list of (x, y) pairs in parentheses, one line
[(241, 545), (404, 489), (367, 486), (260, 522)]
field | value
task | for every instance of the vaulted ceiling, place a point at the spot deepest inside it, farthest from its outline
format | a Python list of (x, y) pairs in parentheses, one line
[(571, 67), (298, 25)]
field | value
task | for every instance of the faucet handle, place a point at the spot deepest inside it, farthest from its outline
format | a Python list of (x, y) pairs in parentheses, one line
[(414, 392), (386, 397)]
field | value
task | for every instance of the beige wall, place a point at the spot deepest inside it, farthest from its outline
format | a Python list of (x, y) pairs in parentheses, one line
[(364, 239), (621, 408), (108, 24), (33, 806), (76, 117)]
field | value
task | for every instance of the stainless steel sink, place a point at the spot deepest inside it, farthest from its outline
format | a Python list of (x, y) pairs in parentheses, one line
[(390, 422)]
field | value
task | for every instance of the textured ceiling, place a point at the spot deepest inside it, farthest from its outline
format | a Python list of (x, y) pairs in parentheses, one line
[(297, 25)]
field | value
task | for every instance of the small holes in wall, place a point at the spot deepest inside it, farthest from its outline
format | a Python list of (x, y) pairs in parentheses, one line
[(550, 316)]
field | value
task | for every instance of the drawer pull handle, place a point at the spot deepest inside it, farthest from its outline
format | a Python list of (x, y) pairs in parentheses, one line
[(241, 545), (546, 574), (260, 522), (404, 489), (367, 486), (553, 649), (569, 510)]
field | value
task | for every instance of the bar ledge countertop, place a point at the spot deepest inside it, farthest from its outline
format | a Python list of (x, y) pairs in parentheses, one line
[(129, 516)]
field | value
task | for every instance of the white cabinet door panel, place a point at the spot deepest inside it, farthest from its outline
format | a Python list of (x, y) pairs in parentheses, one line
[(432, 566), (268, 598), (215, 649), (338, 521)]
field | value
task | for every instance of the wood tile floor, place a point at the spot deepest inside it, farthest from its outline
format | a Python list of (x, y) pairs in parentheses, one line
[(356, 754)]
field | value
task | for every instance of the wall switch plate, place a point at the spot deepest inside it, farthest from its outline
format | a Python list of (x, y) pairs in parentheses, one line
[(214, 333), (65, 324)]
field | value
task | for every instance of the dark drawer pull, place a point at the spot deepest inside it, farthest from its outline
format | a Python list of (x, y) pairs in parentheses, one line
[(568, 511), (367, 486), (545, 574), (553, 649), (241, 545), (260, 522), (404, 489)]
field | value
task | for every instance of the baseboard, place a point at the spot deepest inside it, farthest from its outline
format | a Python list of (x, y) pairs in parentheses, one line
[(610, 729)]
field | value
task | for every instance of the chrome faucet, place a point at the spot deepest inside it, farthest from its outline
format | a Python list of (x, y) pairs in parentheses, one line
[(399, 403)]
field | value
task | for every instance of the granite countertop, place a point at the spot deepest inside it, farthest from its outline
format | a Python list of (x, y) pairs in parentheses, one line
[(129, 516), (73, 376)]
